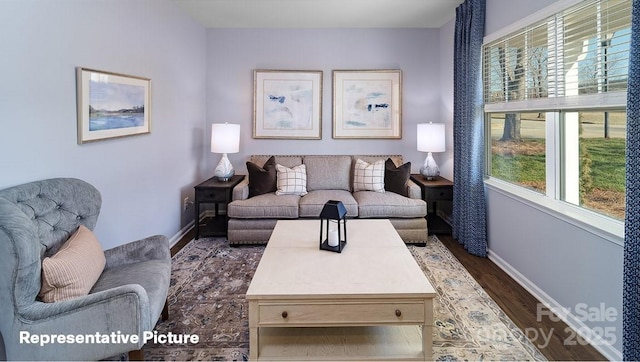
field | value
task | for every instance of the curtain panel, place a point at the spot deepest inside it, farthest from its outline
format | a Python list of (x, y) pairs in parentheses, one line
[(631, 288), (469, 204)]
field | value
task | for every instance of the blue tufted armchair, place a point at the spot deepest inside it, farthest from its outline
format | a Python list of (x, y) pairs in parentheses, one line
[(35, 220)]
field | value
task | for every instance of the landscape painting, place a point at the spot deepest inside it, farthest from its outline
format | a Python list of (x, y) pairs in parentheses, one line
[(287, 104), (367, 104), (111, 105)]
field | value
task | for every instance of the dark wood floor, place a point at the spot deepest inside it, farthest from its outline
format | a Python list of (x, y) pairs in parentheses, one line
[(558, 343)]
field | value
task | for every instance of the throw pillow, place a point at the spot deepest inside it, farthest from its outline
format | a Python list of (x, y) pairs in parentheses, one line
[(368, 177), (262, 180), (74, 269), (291, 181), (395, 178)]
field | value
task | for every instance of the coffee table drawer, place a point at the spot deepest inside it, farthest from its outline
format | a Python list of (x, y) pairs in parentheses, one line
[(341, 313)]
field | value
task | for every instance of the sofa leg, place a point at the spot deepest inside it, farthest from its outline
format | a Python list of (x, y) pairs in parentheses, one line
[(136, 355), (165, 311)]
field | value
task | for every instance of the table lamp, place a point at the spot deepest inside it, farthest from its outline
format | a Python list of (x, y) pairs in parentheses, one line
[(225, 138), (431, 138)]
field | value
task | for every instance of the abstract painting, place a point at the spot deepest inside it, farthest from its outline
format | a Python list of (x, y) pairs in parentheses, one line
[(111, 105), (287, 104), (367, 104)]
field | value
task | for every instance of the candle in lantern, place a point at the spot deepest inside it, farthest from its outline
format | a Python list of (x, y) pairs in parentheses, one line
[(333, 237)]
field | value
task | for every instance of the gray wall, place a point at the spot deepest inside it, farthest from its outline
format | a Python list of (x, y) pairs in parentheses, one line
[(561, 263), (143, 179), (233, 54)]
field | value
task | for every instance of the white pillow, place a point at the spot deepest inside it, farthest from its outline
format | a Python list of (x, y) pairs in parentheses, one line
[(291, 181), (368, 177)]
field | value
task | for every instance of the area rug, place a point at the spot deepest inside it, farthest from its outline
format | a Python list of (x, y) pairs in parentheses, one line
[(209, 280)]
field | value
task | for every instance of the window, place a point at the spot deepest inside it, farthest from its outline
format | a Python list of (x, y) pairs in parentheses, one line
[(518, 149), (594, 154), (555, 97)]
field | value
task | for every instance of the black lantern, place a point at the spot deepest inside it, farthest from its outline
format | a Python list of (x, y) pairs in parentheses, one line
[(333, 239)]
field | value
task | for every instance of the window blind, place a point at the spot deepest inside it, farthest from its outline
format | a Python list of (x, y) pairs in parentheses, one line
[(576, 58)]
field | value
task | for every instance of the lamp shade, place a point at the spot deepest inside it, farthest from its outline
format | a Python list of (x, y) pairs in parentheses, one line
[(225, 138), (431, 137)]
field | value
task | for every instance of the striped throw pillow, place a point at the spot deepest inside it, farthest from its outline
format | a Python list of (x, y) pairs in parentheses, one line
[(74, 269)]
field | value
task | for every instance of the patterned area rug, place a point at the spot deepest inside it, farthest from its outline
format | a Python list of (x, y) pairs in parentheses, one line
[(209, 280)]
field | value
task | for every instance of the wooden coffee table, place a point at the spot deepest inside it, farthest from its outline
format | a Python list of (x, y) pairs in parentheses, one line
[(372, 301)]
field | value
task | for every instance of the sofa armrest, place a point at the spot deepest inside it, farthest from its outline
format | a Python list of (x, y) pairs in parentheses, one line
[(413, 190), (241, 190), (151, 248)]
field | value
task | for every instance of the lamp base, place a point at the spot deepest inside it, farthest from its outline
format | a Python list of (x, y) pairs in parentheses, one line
[(338, 248), (430, 169), (224, 170)]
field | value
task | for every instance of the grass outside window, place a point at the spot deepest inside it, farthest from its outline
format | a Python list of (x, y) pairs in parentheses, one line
[(599, 177)]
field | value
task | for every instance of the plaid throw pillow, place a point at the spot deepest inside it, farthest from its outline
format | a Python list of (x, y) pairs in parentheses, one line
[(368, 177), (291, 181)]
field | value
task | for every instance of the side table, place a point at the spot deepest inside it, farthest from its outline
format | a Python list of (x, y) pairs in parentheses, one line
[(438, 189), (215, 192)]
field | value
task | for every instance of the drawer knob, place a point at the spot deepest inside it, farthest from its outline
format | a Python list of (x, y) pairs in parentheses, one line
[(398, 313), (285, 314)]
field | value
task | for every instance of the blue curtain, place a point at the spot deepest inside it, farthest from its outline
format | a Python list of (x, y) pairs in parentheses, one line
[(469, 205), (631, 285)]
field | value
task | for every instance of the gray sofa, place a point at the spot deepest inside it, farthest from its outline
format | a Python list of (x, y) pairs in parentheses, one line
[(329, 177)]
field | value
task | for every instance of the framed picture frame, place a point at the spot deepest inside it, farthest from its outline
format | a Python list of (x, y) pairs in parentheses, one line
[(367, 104), (111, 105), (287, 104)]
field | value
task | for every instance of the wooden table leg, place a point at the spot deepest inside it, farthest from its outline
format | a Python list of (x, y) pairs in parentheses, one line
[(427, 331), (254, 343)]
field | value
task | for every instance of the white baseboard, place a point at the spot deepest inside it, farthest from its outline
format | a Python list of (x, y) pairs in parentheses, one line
[(584, 331), (182, 232)]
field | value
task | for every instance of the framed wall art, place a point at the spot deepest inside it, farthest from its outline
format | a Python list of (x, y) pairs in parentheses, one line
[(111, 105), (367, 104), (287, 104)]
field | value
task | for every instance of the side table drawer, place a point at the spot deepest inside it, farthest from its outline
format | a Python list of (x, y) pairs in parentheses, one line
[(331, 313), (437, 193), (212, 196)]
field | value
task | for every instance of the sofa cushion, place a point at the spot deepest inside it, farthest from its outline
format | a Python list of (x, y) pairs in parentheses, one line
[(284, 160), (265, 206), (397, 159), (74, 269), (291, 181), (369, 177), (313, 202), (262, 180), (388, 205), (328, 172), (395, 178)]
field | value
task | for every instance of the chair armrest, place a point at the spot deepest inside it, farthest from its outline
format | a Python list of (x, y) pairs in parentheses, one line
[(120, 311), (241, 190), (151, 248), (123, 311), (103, 304)]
